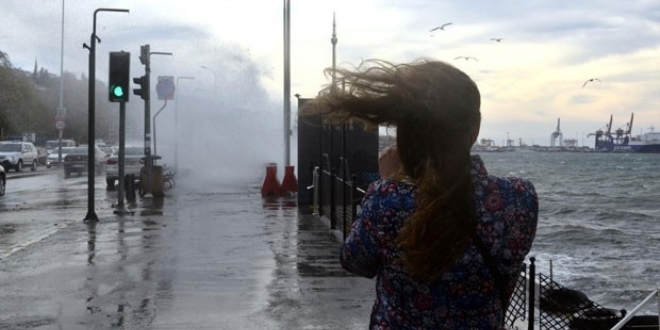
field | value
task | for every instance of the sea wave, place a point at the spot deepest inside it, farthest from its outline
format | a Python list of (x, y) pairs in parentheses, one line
[(599, 224)]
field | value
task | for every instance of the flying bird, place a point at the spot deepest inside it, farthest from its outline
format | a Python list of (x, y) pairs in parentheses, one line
[(497, 39), (590, 80), (441, 27), (466, 58)]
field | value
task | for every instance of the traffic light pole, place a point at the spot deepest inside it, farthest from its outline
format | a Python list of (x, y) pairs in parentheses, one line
[(147, 120), (91, 139), (122, 152), (145, 58)]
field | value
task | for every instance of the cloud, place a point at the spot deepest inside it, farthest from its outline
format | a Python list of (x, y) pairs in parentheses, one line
[(532, 77)]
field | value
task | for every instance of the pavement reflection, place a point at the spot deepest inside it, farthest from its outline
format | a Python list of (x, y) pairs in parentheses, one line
[(196, 259)]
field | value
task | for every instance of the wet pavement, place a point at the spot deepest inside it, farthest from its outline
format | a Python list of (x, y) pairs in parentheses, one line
[(202, 257)]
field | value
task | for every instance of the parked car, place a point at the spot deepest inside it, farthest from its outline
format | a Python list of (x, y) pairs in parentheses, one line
[(3, 180), (54, 157), (16, 154), (55, 144), (132, 164), (109, 150), (76, 161)]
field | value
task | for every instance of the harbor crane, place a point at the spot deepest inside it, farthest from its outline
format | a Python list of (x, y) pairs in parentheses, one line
[(557, 135), (606, 140)]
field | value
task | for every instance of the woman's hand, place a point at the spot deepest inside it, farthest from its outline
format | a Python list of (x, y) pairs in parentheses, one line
[(389, 163)]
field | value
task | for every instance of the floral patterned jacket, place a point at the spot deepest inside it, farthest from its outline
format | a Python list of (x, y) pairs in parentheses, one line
[(465, 296)]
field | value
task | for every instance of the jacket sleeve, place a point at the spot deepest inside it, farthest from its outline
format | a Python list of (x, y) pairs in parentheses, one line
[(522, 226), (359, 253)]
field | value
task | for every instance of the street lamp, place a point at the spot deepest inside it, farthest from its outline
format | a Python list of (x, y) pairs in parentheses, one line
[(61, 112), (176, 125), (91, 143), (287, 82), (215, 77)]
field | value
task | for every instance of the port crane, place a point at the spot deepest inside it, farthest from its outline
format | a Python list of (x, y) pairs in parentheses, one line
[(557, 135), (608, 141)]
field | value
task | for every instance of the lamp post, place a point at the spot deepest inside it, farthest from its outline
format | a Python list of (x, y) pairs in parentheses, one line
[(91, 214), (61, 111), (287, 82), (176, 124), (215, 77)]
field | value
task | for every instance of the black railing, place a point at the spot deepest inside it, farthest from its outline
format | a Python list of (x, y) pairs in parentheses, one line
[(338, 199)]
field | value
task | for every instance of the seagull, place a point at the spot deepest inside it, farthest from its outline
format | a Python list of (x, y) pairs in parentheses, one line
[(441, 27), (466, 58), (590, 80), (497, 39)]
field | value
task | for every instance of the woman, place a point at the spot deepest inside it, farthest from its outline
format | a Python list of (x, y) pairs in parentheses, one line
[(445, 240)]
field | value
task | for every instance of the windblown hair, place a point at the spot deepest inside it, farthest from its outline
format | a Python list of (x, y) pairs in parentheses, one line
[(435, 110)]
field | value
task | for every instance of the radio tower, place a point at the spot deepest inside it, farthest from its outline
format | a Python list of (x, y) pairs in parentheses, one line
[(333, 40)]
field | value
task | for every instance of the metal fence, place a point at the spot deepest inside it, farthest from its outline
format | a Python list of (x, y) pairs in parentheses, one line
[(339, 197), (338, 162)]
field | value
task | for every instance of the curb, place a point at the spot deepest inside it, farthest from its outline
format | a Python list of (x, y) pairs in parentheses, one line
[(23, 175)]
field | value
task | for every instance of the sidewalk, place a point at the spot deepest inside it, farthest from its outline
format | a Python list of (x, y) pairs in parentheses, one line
[(198, 259)]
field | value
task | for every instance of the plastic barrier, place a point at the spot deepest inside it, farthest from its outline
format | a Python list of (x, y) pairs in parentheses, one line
[(271, 185), (289, 183)]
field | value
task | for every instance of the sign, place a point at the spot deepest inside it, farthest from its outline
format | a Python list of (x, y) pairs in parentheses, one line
[(60, 114), (59, 124), (165, 87)]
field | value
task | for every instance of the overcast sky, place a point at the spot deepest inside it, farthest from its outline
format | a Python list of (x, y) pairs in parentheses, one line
[(532, 77)]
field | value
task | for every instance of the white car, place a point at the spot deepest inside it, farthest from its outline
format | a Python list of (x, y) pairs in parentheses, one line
[(132, 164), (54, 145), (53, 158), (16, 154)]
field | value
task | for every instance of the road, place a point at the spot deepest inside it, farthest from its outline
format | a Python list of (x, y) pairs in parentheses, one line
[(206, 256)]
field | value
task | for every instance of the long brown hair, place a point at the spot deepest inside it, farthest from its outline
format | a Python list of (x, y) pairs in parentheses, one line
[(435, 109)]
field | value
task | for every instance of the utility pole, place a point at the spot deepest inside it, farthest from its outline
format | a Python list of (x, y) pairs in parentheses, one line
[(61, 111)]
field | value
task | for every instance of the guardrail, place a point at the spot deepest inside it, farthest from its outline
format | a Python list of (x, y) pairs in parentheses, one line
[(350, 195), (638, 308)]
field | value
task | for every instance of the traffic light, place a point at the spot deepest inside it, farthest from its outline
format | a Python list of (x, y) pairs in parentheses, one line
[(120, 67), (143, 91)]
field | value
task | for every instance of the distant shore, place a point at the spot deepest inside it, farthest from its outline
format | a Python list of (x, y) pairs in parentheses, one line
[(545, 149)]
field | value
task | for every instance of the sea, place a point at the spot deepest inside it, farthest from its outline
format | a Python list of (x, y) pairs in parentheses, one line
[(599, 220)]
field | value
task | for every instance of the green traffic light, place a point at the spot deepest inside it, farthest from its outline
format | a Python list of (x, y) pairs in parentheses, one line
[(117, 91)]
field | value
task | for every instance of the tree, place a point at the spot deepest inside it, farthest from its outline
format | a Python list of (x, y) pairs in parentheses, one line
[(30, 103)]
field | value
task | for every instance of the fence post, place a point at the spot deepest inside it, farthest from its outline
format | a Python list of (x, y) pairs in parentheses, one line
[(344, 185), (532, 293), (333, 187), (315, 182), (325, 163), (351, 197)]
